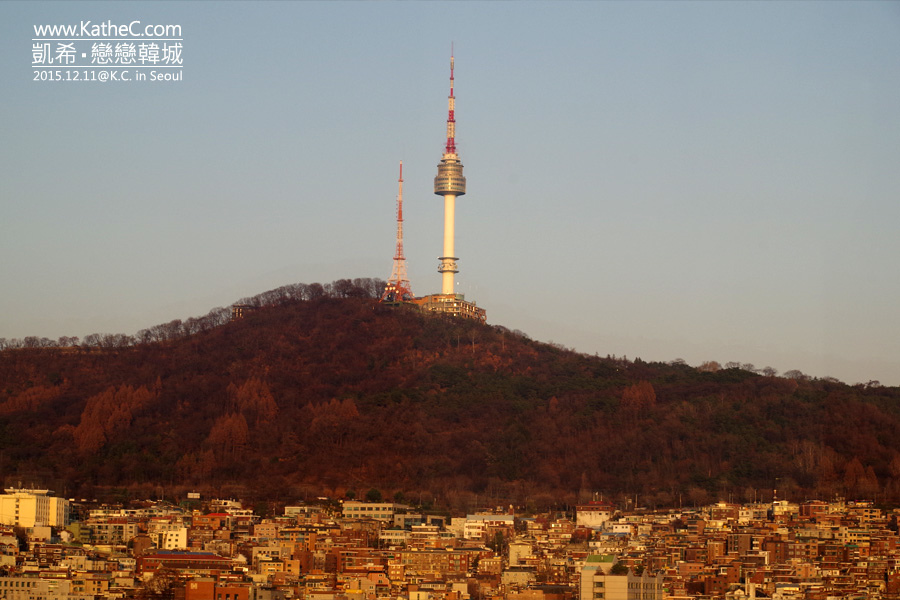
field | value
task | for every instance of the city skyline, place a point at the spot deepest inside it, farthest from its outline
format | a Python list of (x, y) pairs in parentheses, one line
[(704, 181)]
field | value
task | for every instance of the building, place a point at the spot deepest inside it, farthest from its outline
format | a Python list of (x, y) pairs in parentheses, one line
[(380, 511), (599, 583), (435, 562), (113, 531), (28, 588), (30, 508), (454, 305), (185, 563), (207, 588), (239, 311), (593, 514), (482, 527)]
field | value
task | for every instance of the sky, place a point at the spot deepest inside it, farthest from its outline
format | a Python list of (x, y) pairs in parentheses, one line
[(705, 181)]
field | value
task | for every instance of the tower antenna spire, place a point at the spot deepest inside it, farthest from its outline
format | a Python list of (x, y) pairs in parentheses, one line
[(450, 148), (398, 288)]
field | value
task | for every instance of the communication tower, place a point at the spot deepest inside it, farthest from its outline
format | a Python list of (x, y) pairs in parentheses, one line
[(398, 288), (450, 183)]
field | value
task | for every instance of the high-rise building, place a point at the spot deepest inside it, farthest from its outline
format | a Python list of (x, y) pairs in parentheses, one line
[(33, 508)]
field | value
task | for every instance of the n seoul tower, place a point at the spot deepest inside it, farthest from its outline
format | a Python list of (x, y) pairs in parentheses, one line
[(449, 183)]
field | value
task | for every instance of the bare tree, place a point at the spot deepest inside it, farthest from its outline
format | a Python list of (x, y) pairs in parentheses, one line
[(795, 374)]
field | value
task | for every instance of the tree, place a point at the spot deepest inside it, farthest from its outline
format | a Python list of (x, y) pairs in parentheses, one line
[(498, 543), (344, 288), (21, 535), (639, 396), (373, 495), (868, 484), (315, 291), (254, 400), (160, 586), (698, 496), (66, 341), (108, 413), (229, 435), (92, 340), (854, 473)]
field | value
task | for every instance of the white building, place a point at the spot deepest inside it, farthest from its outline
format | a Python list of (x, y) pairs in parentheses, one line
[(597, 583), (34, 588), (169, 534), (518, 552), (619, 527), (173, 539), (30, 508), (477, 525), (593, 515)]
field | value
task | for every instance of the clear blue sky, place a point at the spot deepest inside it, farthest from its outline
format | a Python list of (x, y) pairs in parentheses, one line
[(705, 181)]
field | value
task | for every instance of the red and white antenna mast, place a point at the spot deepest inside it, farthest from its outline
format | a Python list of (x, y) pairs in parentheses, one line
[(398, 288), (451, 109)]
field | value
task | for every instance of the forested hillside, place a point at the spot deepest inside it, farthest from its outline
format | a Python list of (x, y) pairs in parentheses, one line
[(334, 394)]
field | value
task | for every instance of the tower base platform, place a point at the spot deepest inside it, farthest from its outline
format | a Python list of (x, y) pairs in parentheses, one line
[(451, 304)]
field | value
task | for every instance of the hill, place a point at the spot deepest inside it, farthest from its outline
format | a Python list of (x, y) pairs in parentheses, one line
[(337, 394)]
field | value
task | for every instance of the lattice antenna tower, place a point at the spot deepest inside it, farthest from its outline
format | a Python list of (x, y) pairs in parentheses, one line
[(398, 288)]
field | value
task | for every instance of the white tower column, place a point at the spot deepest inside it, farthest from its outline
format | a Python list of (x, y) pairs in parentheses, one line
[(448, 260)]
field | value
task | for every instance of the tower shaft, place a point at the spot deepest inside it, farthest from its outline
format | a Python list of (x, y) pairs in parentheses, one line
[(448, 268)]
